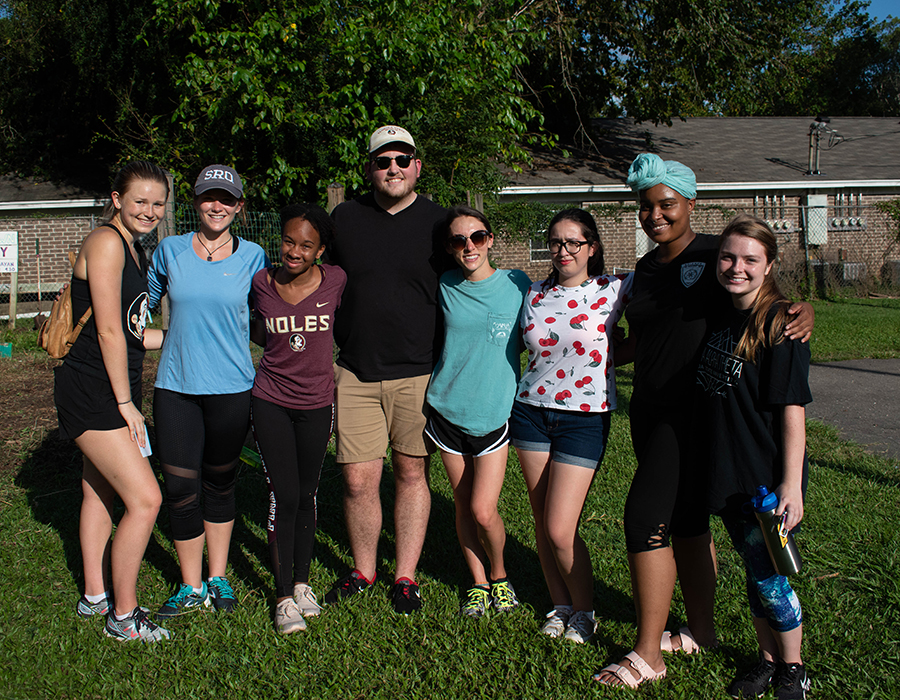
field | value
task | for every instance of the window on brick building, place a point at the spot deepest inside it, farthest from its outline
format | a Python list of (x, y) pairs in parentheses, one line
[(537, 249)]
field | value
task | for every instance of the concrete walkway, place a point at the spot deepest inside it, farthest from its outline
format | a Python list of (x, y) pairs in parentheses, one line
[(861, 398)]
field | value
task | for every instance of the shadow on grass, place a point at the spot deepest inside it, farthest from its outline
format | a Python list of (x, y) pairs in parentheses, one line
[(875, 475), (51, 478)]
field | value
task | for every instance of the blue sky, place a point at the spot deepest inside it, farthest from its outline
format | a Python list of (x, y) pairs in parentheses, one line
[(880, 9)]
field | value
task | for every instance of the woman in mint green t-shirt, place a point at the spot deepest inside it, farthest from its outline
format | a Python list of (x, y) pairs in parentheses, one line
[(471, 393)]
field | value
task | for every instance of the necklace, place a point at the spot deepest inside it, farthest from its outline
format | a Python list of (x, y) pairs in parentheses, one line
[(210, 252)]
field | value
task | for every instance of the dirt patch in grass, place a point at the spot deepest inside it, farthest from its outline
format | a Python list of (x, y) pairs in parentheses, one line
[(27, 411)]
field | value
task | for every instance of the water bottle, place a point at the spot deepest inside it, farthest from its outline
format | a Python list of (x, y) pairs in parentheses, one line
[(779, 541)]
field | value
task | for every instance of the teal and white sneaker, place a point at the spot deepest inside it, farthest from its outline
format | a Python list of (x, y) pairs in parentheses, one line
[(136, 627), (86, 608), (184, 600), (221, 594)]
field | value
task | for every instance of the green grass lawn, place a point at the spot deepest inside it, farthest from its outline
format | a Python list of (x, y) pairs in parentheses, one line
[(849, 587)]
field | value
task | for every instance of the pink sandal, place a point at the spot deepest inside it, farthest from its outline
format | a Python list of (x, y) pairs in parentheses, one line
[(645, 673), (688, 643)]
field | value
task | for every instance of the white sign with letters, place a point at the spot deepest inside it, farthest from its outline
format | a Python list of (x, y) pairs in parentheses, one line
[(9, 251)]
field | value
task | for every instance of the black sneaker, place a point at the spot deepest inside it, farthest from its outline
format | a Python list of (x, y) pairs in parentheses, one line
[(791, 682), (755, 682), (351, 584), (221, 594), (405, 596)]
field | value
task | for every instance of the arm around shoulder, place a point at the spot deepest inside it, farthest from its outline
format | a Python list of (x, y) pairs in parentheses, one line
[(803, 319)]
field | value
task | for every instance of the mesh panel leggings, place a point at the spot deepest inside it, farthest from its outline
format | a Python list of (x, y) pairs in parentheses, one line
[(200, 440), (292, 445)]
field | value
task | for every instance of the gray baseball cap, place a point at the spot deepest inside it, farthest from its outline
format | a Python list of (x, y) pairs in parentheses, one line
[(219, 177)]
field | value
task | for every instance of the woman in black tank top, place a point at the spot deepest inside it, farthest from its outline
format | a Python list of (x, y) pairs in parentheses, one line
[(97, 392)]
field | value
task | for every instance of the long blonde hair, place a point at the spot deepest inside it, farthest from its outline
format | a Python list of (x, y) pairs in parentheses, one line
[(754, 337)]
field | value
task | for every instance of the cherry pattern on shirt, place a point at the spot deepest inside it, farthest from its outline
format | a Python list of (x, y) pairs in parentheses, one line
[(565, 333)]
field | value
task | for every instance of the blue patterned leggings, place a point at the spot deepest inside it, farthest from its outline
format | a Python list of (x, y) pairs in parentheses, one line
[(770, 595)]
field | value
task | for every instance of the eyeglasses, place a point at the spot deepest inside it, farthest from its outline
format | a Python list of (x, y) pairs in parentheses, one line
[(478, 238), (384, 162), (572, 247)]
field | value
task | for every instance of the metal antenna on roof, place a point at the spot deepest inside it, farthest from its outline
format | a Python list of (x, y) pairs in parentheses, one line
[(816, 130)]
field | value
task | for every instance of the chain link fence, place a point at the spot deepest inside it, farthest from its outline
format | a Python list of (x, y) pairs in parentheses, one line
[(262, 227), (841, 248)]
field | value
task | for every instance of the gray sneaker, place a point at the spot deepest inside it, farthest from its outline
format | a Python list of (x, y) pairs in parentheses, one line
[(288, 617), (503, 596), (478, 600), (557, 619), (581, 627), (135, 627), (86, 608), (306, 600)]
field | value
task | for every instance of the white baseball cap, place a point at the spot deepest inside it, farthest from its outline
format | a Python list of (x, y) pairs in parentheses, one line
[(384, 135)]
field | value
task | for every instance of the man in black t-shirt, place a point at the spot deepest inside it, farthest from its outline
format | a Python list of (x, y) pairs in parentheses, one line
[(385, 330)]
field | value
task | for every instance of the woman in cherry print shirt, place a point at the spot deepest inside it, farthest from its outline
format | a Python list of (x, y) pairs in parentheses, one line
[(560, 419)]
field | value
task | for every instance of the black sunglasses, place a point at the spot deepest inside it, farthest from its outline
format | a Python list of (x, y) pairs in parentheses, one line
[(384, 162), (478, 238)]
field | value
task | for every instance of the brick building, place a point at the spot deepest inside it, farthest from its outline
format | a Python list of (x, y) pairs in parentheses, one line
[(816, 183), (820, 201)]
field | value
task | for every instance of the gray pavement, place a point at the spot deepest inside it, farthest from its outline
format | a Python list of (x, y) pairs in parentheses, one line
[(861, 398)]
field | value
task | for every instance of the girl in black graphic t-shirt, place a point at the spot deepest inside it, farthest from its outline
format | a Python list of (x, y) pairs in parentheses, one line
[(753, 389)]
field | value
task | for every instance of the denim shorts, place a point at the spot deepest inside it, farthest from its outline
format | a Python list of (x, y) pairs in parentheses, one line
[(570, 437)]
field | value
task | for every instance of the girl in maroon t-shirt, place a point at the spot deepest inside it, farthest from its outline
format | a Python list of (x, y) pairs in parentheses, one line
[(292, 406)]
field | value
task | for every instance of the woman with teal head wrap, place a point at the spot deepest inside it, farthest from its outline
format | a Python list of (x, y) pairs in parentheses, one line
[(674, 294), (649, 170)]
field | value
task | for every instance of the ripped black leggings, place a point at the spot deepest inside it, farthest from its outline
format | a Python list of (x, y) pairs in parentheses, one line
[(667, 495)]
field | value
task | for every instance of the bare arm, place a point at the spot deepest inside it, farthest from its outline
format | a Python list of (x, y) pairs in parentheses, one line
[(153, 338), (800, 327), (102, 259), (790, 493)]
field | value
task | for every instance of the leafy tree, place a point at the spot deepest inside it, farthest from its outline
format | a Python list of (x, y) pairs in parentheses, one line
[(289, 91), (69, 69), (656, 60)]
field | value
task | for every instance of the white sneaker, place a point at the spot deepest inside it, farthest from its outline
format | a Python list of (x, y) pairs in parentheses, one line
[(288, 617), (581, 627), (306, 600), (555, 626)]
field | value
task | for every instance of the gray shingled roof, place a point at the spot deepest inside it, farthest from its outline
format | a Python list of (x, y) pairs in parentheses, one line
[(15, 189), (728, 149)]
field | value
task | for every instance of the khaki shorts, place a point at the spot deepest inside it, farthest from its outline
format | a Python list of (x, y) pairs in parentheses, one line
[(371, 415)]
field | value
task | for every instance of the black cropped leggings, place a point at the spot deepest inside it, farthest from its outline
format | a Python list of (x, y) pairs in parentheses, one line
[(667, 495), (200, 439), (292, 445)]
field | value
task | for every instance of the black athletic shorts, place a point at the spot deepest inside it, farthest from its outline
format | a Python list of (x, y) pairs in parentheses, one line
[(451, 439), (86, 403)]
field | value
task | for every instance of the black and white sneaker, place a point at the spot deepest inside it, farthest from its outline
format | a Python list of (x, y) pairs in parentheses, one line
[(351, 584), (791, 682), (755, 682), (405, 596)]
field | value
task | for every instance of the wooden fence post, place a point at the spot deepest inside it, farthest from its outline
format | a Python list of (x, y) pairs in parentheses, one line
[(167, 228), (335, 195)]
